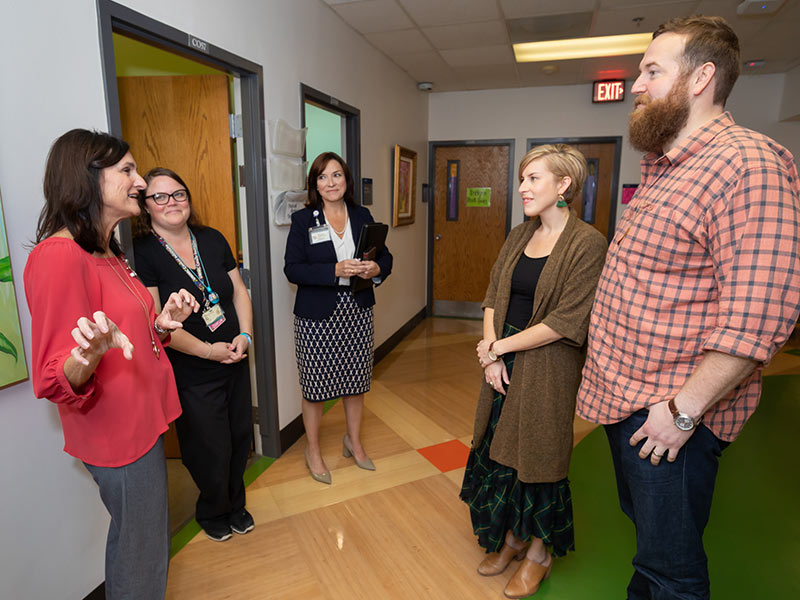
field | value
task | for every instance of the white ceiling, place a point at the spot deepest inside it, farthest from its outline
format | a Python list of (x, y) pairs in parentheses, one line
[(466, 44)]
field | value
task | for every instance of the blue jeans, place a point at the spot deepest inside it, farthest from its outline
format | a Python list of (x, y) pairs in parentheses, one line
[(669, 504), (137, 548)]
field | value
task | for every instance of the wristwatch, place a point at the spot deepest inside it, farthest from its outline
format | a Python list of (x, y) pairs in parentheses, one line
[(683, 421), (492, 356)]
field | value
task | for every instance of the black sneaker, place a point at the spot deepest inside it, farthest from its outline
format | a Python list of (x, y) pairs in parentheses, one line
[(218, 532), (241, 521)]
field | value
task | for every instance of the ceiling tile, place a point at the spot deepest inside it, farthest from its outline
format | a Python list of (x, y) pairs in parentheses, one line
[(374, 16), (422, 60), (479, 56), (399, 42), (621, 20), (549, 27), (647, 3), (428, 13), (518, 9), (467, 34), (567, 72)]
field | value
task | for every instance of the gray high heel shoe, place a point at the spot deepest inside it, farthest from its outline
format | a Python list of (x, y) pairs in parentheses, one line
[(347, 452), (321, 477)]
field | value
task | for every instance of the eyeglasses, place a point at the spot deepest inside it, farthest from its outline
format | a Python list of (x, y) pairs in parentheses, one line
[(161, 198)]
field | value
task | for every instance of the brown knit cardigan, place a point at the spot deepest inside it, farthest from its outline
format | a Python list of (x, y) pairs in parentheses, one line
[(534, 433)]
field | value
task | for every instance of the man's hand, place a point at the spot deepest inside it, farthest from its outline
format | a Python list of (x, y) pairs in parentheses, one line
[(662, 437)]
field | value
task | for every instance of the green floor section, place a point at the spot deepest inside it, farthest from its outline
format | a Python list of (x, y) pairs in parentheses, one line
[(753, 537)]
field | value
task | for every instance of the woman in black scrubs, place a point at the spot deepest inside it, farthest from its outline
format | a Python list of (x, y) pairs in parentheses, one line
[(209, 355)]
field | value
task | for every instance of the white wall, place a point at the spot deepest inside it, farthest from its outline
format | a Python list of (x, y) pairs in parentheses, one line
[(567, 111), (790, 101), (52, 522)]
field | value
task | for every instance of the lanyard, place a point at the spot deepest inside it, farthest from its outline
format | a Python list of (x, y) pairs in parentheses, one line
[(198, 277)]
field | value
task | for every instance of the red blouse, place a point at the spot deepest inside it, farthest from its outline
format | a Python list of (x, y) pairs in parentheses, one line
[(116, 416)]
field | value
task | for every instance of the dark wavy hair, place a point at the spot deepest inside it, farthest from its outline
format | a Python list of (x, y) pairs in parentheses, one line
[(708, 39), (72, 192), (142, 224), (317, 167)]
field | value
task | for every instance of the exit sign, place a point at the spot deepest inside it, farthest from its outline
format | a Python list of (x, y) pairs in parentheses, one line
[(612, 90)]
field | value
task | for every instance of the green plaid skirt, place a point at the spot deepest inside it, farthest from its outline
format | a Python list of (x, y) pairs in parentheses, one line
[(498, 501)]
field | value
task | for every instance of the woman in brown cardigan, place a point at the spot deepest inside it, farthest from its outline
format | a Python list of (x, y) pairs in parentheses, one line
[(536, 314)]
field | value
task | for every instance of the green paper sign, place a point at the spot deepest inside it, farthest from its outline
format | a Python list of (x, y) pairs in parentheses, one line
[(480, 197)]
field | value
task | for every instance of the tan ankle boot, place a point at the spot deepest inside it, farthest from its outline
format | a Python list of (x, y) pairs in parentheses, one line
[(526, 580), (496, 562)]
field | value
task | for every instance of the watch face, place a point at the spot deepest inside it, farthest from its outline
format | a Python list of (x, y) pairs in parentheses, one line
[(684, 422)]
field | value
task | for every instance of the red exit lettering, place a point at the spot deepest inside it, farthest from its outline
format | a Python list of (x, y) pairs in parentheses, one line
[(609, 91)]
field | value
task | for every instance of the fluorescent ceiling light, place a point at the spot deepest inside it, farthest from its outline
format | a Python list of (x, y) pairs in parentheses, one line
[(610, 45)]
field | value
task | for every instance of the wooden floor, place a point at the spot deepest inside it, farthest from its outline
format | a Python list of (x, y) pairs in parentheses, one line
[(400, 532)]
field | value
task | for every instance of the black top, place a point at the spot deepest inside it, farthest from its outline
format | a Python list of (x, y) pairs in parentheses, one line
[(523, 286), (156, 268)]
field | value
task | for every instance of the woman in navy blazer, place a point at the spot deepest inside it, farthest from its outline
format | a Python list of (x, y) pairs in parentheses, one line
[(333, 326)]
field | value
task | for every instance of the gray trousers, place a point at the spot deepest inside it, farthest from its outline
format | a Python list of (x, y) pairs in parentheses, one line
[(137, 548)]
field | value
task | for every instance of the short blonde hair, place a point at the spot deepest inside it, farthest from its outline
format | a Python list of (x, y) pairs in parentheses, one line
[(563, 161)]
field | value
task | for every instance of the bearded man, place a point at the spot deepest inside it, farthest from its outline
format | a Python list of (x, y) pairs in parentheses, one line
[(701, 287)]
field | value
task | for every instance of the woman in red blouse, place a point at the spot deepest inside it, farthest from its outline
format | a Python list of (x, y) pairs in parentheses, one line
[(98, 353)]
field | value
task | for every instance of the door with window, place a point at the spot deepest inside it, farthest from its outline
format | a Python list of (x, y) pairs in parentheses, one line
[(472, 190)]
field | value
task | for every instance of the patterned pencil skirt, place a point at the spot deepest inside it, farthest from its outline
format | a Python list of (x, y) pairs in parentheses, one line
[(334, 355)]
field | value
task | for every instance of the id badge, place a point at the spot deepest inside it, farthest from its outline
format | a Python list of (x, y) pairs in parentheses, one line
[(319, 234), (214, 317)]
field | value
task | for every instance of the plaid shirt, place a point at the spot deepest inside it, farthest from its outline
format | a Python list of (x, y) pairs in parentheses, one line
[(707, 257)]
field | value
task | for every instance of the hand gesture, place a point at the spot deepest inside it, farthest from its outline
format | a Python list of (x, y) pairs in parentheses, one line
[(662, 437), (496, 374), (98, 336), (179, 305)]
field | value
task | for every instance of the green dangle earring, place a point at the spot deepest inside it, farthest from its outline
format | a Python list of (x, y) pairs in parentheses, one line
[(561, 202)]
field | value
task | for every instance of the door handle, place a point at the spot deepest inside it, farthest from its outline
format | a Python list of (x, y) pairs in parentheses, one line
[(437, 237)]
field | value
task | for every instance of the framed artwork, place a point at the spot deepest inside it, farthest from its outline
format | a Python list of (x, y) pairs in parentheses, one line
[(405, 186), (13, 367)]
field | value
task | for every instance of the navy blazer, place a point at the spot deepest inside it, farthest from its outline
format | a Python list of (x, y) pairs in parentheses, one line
[(312, 267)]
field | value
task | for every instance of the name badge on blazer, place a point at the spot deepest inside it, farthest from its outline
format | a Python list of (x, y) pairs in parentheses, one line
[(319, 234)]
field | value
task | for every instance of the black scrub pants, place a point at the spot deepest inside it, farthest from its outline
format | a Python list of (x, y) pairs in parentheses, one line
[(214, 433)]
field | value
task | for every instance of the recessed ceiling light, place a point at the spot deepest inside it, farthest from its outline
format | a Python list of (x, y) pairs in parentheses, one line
[(591, 47)]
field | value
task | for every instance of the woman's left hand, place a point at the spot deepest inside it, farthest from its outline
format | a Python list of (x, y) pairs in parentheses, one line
[(496, 374), (179, 305), (370, 269), (238, 347)]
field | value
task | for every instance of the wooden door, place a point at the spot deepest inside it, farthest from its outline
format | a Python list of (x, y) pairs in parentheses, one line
[(600, 159), (467, 239), (181, 123)]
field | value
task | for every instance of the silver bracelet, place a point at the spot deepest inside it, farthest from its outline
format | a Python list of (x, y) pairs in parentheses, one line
[(161, 330)]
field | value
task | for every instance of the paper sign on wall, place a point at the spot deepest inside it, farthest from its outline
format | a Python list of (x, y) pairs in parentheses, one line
[(479, 197)]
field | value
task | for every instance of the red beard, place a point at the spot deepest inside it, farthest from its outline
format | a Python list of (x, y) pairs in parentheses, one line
[(652, 128)]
